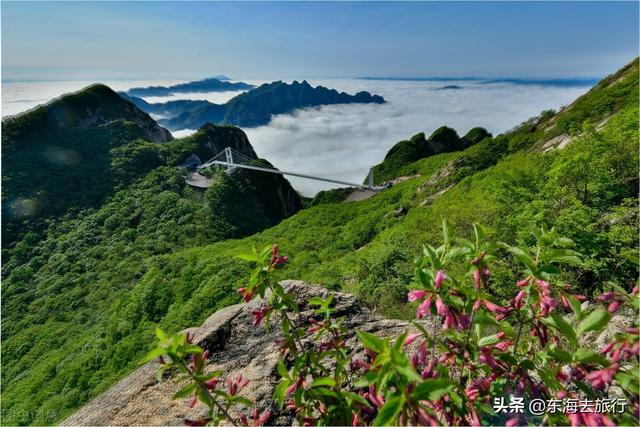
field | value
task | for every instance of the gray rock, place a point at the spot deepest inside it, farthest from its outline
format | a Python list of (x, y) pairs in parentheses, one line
[(235, 347)]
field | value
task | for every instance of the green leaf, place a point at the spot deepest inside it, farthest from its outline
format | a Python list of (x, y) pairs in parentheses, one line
[(323, 381), (280, 392), (326, 392), (408, 372), (549, 379), (399, 342), (371, 341), (433, 389), (248, 256), (479, 232), (192, 349), (354, 397), (488, 340), (565, 327), (595, 321), (389, 412), (575, 306), (447, 233), (561, 355), (186, 391), (161, 335), (316, 301), (156, 352), (522, 256), (282, 370), (584, 355), (235, 400), (564, 256)]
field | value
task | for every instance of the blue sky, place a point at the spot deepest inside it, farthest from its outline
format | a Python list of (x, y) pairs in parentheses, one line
[(316, 40)]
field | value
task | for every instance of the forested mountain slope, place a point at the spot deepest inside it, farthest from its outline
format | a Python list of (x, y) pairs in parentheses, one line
[(80, 305), (64, 156)]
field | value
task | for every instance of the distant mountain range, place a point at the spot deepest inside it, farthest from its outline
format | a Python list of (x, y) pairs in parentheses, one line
[(214, 84), (252, 108), (563, 82)]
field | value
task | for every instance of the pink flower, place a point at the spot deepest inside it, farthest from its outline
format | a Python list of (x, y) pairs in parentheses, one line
[(547, 304), (293, 387), (613, 307), (236, 384), (315, 325), (504, 345), (411, 338), (275, 258), (606, 296), (512, 422), (478, 259), (494, 308), (357, 364), (212, 383), (543, 285), (607, 348), (599, 379), (193, 401), (245, 295), (375, 398), (415, 295), (424, 309), (476, 278), (562, 376), (440, 276), (524, 282), (518, 300), (258, 315), (441, 307), (257, 419)]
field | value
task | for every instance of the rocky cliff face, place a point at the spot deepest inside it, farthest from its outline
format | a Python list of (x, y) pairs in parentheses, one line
[(212, 139), (235, 347)]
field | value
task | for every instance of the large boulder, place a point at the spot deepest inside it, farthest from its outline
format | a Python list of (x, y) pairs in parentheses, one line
[(235, 347)]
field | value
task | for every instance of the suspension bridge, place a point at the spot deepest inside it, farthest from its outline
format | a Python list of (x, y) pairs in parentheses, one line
[(231, 160)]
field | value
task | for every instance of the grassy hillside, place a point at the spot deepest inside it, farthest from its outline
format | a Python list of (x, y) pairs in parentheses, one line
[(80, 306)]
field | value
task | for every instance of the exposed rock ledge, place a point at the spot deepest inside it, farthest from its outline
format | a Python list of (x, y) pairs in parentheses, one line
[(236, 347)]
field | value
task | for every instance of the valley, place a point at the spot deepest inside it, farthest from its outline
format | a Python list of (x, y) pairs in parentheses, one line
[(88, 275)]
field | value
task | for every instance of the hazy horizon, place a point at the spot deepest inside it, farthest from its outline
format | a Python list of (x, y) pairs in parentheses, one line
[(313, 40)]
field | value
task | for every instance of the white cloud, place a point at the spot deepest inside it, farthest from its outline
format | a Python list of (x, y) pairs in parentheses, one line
[(344, 141), (215, 97), (183, 132)]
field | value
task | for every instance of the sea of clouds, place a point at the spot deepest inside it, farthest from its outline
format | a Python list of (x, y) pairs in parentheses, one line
[(343, 141)]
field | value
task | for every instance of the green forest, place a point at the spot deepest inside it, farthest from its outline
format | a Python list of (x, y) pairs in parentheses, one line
[(88, 276)]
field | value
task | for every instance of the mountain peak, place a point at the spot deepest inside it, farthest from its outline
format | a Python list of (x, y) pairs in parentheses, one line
[(95, 105)]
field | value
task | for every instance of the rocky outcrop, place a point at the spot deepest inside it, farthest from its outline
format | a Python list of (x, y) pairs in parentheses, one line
[(235, 347), (213, 139), (213, 84), (255, 107)]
